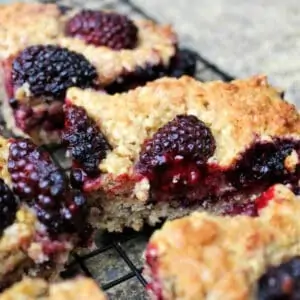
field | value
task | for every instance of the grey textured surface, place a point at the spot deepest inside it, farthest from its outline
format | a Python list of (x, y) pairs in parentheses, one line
[(241, 37)]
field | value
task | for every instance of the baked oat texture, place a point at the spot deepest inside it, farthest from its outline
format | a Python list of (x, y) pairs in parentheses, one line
[(25, 24), (38, 289), (209, 257), (238, 113)]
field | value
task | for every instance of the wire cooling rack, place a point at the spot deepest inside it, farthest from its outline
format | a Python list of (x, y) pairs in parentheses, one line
[(115, 262)]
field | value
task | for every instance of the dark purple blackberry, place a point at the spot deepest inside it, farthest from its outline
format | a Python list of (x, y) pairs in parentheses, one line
[(263, 162), (183, 138), (281, 282), (38, 181), (183, 63), (50, 70), (8, 206), (85, 141), (34, 174), (103, 29)]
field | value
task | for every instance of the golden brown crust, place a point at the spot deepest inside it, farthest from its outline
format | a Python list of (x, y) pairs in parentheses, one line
[(209, 257), (238, 113), (37, 289), (25, 24)]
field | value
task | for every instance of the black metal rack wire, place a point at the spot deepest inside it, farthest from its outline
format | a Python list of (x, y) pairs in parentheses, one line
[(116, 260)]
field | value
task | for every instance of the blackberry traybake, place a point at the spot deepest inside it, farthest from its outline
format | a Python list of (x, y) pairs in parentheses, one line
[(38, 289), (44, 51), (41, 218), (179, 145), (204, 256)]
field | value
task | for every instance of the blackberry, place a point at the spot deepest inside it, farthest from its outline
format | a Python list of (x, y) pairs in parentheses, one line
[(50, 70), (8, 206), (185, 137), (281, 282), (183, 63), (103, 29), (263, 162), (34, 174), (86, 143), (42, 185)]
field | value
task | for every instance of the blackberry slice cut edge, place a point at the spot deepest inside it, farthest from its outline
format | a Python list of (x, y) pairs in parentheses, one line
[(40, 183)]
